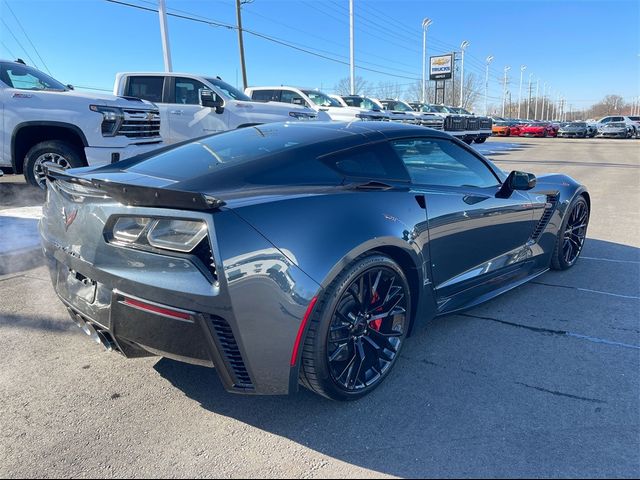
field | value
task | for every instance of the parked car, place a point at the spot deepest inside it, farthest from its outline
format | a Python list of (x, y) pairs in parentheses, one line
[(424, 118), (615, 130), (636, 122), (507, 128), (631, 124), (44, 121), (576, 130), (302, 252), (401, 114), (455, 124), (366, 103), (195, 105), (326, 107), (538, 129)]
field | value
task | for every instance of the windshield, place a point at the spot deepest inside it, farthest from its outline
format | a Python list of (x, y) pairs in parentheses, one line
[(228, 89), (576, 125), (321, 99), (27, 78), (440, 108), (398, 106)]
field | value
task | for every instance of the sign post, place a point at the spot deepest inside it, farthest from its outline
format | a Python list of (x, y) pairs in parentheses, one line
[(440, 70)]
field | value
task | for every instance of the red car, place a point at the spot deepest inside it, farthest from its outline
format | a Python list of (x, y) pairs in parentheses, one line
[(539, 129)]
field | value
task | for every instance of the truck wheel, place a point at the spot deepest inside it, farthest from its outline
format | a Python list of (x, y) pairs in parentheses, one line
[(62, 154), (480, 140)]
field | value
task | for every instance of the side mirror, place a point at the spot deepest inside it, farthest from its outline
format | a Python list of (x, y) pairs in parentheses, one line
[(69, 86), (517, 181), (208, 98)]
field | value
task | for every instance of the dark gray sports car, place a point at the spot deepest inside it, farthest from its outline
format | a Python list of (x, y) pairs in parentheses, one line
[(298, 253)]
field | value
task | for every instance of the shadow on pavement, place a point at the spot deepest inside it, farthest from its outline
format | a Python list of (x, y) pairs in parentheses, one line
[(433, 418)]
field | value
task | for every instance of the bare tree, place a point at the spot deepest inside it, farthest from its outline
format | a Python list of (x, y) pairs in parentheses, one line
[(388, 90), (343, 87)]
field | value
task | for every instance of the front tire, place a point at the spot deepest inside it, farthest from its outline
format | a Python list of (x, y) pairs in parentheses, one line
[(572, 235), (480, 140), (62, 154), (357, 329)]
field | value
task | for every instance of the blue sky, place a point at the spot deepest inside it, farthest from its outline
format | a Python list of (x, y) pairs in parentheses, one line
[(583, 49)]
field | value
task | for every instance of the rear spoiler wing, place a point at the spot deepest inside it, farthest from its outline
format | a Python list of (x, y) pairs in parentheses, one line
[(140, 196)]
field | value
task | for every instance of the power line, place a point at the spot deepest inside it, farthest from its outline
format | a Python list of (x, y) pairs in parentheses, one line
[(8, 50), (18, 42), (27, 36), (218, 23)]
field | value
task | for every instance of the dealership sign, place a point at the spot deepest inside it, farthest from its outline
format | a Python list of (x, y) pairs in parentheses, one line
[(441, 67)]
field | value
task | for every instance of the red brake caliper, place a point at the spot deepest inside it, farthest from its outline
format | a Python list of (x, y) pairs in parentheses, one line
[(376, 324)]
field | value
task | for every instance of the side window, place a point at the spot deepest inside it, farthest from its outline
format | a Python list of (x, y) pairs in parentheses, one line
[(373, 162), (605, 120), (431, 161), (187, 91), (147, 88), (265, 96), (292, 97), (618, 119)]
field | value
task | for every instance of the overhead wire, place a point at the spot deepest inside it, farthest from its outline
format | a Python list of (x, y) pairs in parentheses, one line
[(27, 36)]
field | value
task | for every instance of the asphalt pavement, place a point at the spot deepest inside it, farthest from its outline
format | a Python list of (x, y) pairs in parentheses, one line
[(543, 381)]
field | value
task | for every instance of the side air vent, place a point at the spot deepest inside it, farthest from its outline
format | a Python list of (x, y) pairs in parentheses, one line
[(205, 255), (231, 353), (552, 200)]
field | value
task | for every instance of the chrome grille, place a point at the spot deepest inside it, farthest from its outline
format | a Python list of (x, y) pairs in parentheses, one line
[(140, 124)]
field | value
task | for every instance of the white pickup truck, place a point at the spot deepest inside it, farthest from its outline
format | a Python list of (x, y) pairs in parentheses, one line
[(326, 107), (195, 105), (44, 121)]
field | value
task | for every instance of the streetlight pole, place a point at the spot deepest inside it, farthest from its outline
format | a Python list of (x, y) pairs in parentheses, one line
[(463, 46), (535, 114), (529, 97), (425, 24), (504, 87), (522, 69), (352, 67), (488, 60), (544, 90)]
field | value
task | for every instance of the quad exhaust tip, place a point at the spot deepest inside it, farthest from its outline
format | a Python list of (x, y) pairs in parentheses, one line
[(98, 336)]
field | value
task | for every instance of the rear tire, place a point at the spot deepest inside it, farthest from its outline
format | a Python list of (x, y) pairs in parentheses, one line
[(344, 331), (571, 235), (61, 153)]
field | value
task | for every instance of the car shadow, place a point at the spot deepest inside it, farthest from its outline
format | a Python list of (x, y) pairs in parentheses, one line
[(431, 417)]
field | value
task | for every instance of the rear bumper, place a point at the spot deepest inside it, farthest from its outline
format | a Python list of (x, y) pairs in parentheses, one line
[(244, 324)]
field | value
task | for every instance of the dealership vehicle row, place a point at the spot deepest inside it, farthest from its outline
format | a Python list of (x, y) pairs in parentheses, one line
[(46, 122)]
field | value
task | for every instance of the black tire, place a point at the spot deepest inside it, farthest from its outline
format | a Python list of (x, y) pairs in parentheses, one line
[(317, 372), (64, 154), (480, 140), (560, 260)]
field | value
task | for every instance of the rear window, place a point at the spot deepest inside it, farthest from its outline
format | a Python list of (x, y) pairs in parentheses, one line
[(371, 162), (147, 88)]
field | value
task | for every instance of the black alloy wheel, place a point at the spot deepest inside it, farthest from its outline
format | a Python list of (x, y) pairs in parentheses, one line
[(356, 335), (572, 235)]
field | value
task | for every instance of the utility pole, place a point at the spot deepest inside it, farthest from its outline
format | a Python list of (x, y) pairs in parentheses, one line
[(463, 46), (544, 92), (504, 87), (425, 24), (352, 66), (529, 98), (522, 69), (241, 44), (164, 35), (489, 59)]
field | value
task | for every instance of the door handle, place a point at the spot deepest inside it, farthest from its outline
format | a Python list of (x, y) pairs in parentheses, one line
[(176, 112)]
